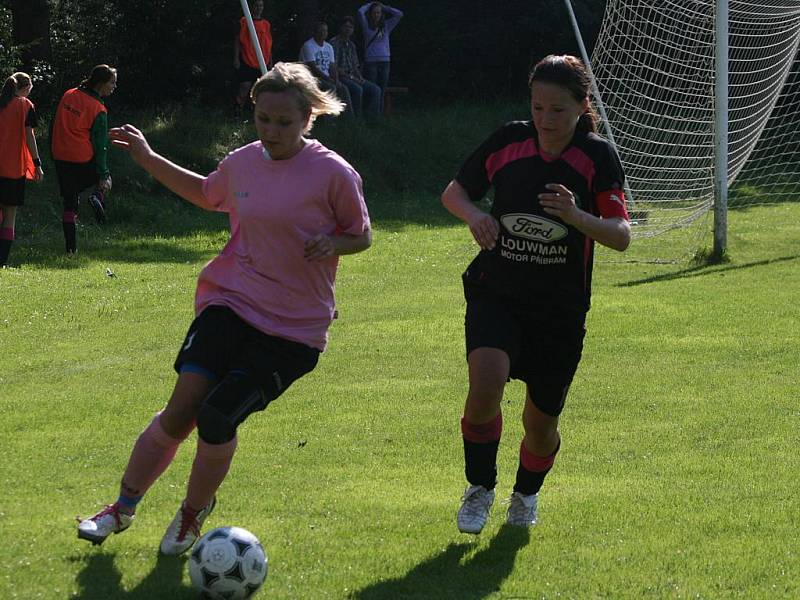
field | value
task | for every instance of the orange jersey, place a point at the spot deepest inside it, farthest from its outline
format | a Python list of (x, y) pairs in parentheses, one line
[(75, 116), (264, 35), (15, 157)]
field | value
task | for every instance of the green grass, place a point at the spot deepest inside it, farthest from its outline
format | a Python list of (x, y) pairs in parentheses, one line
[(677, 477)]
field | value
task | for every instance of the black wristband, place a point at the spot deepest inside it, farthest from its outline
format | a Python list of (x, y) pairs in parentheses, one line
[(37, 162)]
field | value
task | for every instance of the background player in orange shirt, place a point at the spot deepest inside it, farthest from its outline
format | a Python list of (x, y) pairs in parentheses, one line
[(80, 147), (19, 154), (245, 59)]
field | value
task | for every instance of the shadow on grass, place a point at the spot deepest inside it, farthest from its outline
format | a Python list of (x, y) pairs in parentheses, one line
[(152, 229), (403, 179), (702, 270), (114, 247), (164, 244), (446, 576), (101, 580)]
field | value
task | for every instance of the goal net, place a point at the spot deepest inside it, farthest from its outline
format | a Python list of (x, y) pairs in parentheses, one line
[(654, 65)]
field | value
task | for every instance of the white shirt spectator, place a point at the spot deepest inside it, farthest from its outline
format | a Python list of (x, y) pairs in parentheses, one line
[(322, 56)]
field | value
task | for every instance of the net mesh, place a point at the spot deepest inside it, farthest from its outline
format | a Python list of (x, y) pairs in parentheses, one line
[(654, 64)]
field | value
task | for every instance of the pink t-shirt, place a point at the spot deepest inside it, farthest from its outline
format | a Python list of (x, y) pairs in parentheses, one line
[(274, 207)]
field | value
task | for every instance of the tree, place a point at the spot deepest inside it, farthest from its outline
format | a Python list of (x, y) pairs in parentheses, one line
[(173, 50), (31, 29), (307, 16)]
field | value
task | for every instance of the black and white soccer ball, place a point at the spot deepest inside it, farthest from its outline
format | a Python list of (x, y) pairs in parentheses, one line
[(228, 563)]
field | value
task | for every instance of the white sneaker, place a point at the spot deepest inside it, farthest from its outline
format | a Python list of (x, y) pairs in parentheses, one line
[(476, 503), (522, 510), (185, 528), (109, 520)]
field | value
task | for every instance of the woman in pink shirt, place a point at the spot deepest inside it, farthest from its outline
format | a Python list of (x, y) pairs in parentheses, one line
[(263, 305)]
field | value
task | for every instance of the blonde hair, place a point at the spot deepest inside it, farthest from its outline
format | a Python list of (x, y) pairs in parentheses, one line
[(18, 81), (299, 79)]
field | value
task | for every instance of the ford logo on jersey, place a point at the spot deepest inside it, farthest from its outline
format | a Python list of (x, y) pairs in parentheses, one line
[(533, 227)]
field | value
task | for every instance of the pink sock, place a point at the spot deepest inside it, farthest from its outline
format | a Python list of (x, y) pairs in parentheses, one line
[(7, 233), (211, 465), (151, 455)]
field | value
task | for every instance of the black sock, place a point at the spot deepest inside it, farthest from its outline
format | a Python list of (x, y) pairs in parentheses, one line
[(5, 248), (529, 482), (533, 469), (480, 463), (69, 237)]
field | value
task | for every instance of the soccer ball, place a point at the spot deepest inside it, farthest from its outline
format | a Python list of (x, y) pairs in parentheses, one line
[(227, 563)]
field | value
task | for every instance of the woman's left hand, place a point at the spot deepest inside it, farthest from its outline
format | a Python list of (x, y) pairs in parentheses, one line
[(319, 248), (560, 202)]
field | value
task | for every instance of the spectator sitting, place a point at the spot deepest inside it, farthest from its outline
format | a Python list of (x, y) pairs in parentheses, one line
[(245, 59), (318, 56), (366, 95)]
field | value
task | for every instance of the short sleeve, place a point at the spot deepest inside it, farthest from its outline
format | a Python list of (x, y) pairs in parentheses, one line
[(31, 119), (609, 184), (215, 188), (473, 175), (306, 55), (347, 200)]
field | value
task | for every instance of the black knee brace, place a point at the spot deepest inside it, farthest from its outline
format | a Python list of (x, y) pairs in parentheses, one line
[(235, 397)]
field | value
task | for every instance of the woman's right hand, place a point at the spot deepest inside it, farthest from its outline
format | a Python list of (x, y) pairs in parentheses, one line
[(131, 139), (485, 229)]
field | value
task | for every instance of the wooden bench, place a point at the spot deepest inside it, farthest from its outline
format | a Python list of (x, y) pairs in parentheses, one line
[(388, 97)]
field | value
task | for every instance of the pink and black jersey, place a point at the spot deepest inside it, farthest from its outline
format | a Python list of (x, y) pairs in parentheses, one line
[(540, 261)]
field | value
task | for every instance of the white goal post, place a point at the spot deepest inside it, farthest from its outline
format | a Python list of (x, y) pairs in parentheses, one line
[(691, 127), (253, 37)]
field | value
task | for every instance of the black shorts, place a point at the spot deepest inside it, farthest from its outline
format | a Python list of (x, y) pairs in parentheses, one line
[(73, 178), (544, 345), (12, 191), (219, 341), (247, 73)]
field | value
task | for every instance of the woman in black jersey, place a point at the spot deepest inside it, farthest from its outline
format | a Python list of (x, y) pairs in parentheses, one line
[(558, 187)]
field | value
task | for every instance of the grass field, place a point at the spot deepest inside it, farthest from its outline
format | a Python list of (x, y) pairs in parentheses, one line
[(677, 477)]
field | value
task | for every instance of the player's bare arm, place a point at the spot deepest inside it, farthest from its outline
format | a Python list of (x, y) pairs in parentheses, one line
[(484, 227), (323, 246), (614, 232), (185, 183)]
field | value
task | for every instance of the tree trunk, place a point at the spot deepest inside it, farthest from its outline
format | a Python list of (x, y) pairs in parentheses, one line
[(31, 28)]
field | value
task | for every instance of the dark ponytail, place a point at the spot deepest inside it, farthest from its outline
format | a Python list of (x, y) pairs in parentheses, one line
[(100, 74), (14, 83), (571, 74)]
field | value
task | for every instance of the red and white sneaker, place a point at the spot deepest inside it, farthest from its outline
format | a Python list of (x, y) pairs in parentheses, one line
[(185, 528), (109, 520)]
